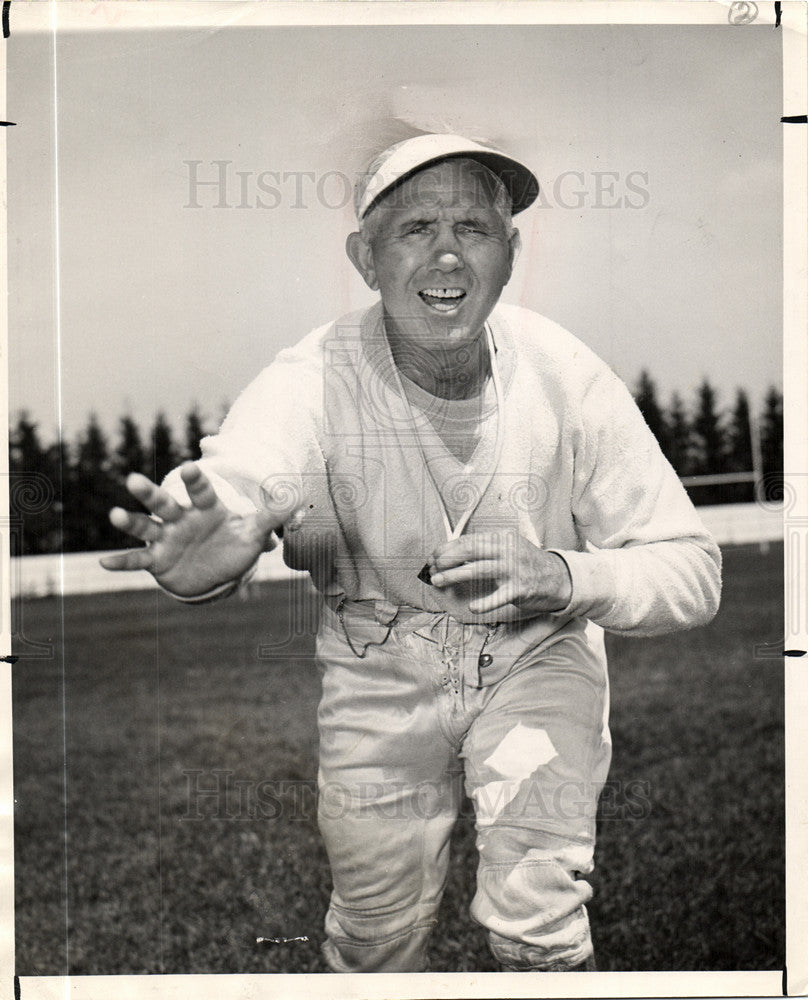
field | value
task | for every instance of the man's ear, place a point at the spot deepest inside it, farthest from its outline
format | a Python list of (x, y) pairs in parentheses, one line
[(514, 248), (361, 256)]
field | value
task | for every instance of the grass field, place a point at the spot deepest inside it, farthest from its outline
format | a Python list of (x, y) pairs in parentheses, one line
[(125, 865)]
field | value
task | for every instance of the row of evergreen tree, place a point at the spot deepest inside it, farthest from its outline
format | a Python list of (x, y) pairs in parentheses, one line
[(61, 492), (705, 442)]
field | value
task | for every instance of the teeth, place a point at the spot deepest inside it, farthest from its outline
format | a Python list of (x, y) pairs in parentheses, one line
[(444, 293)]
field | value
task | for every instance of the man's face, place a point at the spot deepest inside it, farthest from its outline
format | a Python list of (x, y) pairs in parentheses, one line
[(439, 253)]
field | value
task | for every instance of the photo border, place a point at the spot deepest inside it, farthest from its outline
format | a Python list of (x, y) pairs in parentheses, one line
[(56, 16)]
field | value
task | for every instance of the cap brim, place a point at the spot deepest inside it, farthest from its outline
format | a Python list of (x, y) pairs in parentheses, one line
[(520, 182)]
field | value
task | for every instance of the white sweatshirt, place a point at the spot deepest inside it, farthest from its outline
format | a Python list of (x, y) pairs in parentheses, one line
[(325, 427)]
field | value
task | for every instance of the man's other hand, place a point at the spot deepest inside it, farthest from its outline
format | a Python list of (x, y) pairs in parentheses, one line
[(519, 572)]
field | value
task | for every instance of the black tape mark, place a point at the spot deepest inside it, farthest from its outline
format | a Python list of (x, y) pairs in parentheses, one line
[(778, 13), (17, 988), (794, 119), (794, 652), (8, 123), (6, 13), (9, 659), (785, 980)]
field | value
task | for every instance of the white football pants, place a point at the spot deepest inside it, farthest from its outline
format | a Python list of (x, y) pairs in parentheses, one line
[(428, 707)]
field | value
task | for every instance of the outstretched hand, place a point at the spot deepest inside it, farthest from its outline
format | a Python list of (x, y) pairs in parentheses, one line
[(189, 550), (516, 571)]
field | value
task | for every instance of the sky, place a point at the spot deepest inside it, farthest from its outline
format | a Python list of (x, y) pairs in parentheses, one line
[(657, 238)]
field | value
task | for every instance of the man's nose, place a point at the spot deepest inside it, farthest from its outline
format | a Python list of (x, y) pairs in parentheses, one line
[(448, 256), (448, 260)]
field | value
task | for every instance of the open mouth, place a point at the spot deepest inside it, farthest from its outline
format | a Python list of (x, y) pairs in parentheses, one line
[(443, 299)]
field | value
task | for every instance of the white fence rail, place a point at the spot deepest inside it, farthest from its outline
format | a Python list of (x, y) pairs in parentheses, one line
[(80, 573)]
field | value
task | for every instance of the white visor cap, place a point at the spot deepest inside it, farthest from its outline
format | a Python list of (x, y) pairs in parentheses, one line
[(403, 159)]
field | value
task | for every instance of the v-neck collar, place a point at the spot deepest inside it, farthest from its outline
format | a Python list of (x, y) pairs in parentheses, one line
[(475, 423), (407, 419)]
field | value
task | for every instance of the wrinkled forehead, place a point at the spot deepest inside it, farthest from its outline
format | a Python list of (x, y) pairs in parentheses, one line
[(459, 182)]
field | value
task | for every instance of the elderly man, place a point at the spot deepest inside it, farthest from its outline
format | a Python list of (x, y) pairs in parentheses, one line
[(469, 487)]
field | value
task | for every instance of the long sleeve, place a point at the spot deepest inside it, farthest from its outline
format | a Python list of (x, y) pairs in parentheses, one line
[(258, 458), (650, 566)]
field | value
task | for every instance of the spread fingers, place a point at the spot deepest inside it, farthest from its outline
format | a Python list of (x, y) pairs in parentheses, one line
[(139, 525), (156, 499), (202, 494), (130, 559)]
